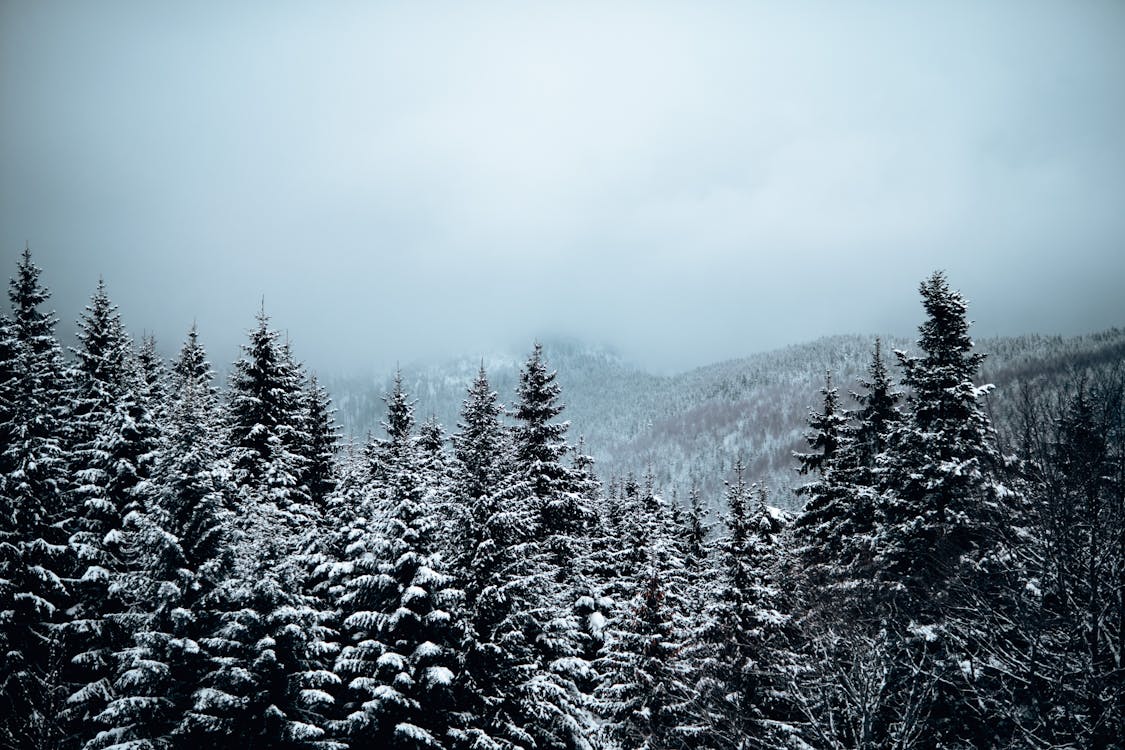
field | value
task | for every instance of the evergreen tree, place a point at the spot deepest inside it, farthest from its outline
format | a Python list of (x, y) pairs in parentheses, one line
[(496, 557), (943, 504), (323, 443), (153, 387), (550, 488), (264, 634), (180, 546), (835, 532), (34, 556), (646, 692), (399, 658), (945, 522), (115, 441), (265, 427), (744, 669)]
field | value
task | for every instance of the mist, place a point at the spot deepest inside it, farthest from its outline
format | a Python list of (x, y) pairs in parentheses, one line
[(682, 183)]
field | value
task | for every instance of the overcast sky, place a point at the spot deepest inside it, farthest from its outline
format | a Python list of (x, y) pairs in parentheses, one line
[(685, 181)]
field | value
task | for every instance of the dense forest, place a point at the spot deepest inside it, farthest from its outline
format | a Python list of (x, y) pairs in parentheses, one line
[(189, 565)]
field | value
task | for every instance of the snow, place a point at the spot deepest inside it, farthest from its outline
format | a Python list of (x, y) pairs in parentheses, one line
[(439, 676)]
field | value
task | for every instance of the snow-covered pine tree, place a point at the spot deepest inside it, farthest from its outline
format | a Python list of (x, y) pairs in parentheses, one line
[(697, 531), (496, 562), (828, 428), (322, 445), (265, 431), (877, 416), (34, 555), (115, 443), (844, 642), (264, 639), (647, 691), (834, 534), (180, 546), (944, 504), (153, 387), (746, 642), (540, 453), (545, 483), (399, 657), (945, 516)]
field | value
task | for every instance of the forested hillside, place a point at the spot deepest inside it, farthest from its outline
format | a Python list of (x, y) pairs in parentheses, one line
[(690, 429), (193, 564)]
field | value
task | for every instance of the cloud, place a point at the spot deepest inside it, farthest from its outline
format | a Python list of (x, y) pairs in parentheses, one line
[(686, 182)]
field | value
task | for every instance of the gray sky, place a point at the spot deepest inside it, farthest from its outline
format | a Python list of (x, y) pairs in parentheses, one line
[(685, 181)]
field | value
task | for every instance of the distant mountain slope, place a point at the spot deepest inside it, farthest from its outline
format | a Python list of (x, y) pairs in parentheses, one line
[(691, 427)]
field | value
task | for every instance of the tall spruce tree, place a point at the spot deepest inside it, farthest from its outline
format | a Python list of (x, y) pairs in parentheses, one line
[(399, 658), (496, 558), (564, 516), (115, 442), (34, 555), (747, 654), (180, 545), (943, 503), (265, 636), (945, 526)]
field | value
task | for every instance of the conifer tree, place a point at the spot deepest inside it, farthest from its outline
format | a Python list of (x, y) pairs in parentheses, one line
[(945, 520), (179, 542), (115, 439), (153, 386), (264, 636), (564, 516), (646, 691), (496, 559), (322, 445), (265, 426), (944, 503), (34, 555), (744, 667), (399, 658)]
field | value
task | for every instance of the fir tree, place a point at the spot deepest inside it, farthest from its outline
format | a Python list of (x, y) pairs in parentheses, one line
[(179, 542), (646, 692), (744, 667), (34, 556), (265, 429), (115, 447), (323, 443), (549, 487), (945, 521), (399, 660), (943, 504), (495, 555)]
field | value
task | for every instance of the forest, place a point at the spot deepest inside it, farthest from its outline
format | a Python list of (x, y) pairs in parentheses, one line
[(186, 563)]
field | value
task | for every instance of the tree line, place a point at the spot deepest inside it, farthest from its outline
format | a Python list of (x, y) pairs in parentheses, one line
[(184, 565)]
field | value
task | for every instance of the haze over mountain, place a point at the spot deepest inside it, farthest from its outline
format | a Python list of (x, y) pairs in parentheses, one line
[(684, 182), (690, 428)]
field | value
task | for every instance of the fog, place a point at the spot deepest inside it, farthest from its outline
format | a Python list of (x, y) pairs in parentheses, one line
[(685, 182)]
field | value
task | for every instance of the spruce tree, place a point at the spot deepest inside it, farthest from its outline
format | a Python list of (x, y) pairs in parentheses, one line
[(399, 658), (646, 691), (496, 560), (322, 445), (180, 544), (747, 650), (264, 636), (115, 443), (550, 488), (945, 523), (943, 504), (34, 555)]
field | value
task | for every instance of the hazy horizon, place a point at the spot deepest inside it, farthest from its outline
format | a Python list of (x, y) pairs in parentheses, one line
[(685, 184)]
